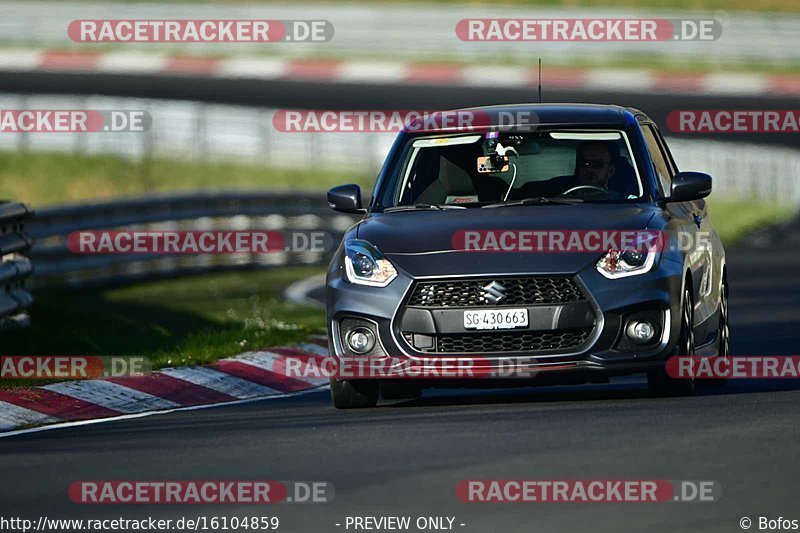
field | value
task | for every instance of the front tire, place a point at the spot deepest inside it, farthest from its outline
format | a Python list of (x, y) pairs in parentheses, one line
[(659, 381), (354, 394), (723, 333)]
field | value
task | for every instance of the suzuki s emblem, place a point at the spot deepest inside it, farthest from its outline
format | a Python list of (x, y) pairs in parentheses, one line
[(494, 292)]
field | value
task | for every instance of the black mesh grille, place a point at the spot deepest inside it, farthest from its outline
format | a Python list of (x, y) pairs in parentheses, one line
[(494, 342), (516, 291)]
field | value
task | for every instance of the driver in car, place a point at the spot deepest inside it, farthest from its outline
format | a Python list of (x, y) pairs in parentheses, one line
[(594, 167), (594, 164)]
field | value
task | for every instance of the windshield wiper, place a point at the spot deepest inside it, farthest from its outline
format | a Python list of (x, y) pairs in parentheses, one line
[(413, 207), (537, 200)]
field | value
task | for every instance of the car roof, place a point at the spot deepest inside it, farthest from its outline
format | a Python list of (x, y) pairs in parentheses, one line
[(549, 115)]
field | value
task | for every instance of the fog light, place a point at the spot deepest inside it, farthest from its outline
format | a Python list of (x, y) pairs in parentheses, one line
[(640, 332), (360, 340)]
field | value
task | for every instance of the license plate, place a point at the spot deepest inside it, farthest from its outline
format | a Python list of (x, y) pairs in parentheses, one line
[(496, 319)]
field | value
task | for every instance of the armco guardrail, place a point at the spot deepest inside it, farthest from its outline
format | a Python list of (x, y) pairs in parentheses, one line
[(204, 210), (14, 267)]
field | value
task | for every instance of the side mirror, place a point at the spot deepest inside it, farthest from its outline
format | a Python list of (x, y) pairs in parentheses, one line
[(688, 186), (346, 198)]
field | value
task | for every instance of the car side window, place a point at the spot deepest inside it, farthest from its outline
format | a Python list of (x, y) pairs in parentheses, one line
[(673, 168), (662, 168)]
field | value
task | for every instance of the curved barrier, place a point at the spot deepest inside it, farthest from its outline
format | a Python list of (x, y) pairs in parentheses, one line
[(14, 267), (190, 211)]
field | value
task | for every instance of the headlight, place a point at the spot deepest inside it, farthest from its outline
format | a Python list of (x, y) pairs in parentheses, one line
[(366, 265), (632, 262)]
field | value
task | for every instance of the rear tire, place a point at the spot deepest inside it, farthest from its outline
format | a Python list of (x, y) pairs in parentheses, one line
[(661, 383), (354, 394)]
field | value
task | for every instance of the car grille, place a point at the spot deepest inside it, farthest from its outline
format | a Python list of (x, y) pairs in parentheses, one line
[(473, 293), (496, 342)]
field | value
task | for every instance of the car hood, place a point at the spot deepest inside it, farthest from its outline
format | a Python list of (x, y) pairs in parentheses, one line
[(421, 242)]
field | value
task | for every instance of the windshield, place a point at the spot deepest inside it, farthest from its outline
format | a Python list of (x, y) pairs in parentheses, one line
[(515, 169)]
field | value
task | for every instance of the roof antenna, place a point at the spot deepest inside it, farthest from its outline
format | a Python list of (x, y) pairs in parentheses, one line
[(540, 80)]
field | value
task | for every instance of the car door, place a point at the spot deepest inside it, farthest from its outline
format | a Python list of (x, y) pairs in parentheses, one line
[(710, 252), (693, 235)]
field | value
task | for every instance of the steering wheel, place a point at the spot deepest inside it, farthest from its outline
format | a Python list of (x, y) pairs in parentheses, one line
[(584, 187)]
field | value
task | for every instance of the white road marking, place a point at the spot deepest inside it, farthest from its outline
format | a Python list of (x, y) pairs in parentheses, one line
[(261, 68), (386, 72), (316, 349), (132, 62), (498, 76), (266, 361), (619, 79), (15, 59), (298, 291), (734, 83), (13, 416), (373, 72), (149, 413), (220, 382), (111, 396)]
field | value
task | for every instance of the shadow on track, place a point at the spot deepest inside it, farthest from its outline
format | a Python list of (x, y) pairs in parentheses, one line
[(584, 393)]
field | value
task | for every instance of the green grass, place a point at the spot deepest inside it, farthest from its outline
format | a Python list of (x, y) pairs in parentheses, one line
[(176, 322), (735, 220), (49, 178)]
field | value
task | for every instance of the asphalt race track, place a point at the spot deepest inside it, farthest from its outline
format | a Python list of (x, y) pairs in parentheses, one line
[(345, 96), (405, 458)]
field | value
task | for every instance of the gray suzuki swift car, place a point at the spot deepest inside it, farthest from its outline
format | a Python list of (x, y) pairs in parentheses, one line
[(465, 255)]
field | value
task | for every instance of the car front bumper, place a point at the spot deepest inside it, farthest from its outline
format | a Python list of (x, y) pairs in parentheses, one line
[(614, 303)]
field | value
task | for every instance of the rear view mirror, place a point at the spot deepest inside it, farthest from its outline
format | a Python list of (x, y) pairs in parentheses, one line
[(346, 199), (688, 186)]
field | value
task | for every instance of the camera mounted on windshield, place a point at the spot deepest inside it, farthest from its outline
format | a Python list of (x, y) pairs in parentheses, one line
[(496, 156)]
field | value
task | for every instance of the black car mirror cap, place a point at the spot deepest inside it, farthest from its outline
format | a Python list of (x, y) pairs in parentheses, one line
[(688, 186), (346, 199)]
